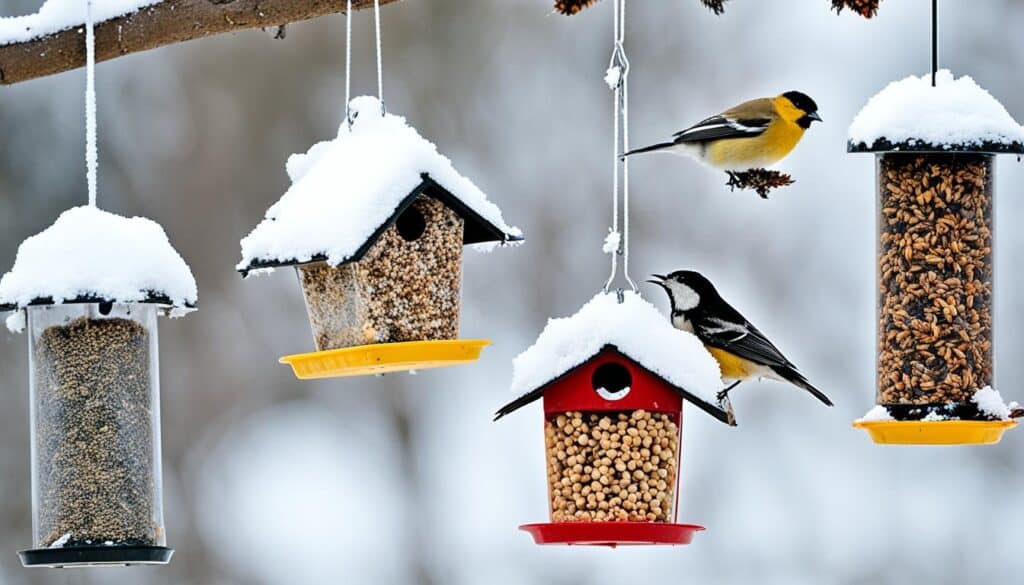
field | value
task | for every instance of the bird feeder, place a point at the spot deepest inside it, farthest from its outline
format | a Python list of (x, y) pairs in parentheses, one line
[(935, 145), (614, 378), (375, 223), (91, 287)]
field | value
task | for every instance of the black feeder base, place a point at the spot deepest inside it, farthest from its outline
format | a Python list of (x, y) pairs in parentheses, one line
[(96, 556)]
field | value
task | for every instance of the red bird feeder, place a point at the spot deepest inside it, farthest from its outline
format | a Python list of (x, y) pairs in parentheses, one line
[(612, 425)]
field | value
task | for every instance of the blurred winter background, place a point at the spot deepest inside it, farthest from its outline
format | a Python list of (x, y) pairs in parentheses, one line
[(404, 479)]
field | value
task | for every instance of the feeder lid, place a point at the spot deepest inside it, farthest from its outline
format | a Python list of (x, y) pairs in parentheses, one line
[(92, 256), (634, 328), (346, 192), (957, 115)]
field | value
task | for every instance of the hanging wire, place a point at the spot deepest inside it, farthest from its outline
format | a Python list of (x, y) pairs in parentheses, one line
[(380, 59), (91, 151), (935, 39), (618, 77), (348, 63)]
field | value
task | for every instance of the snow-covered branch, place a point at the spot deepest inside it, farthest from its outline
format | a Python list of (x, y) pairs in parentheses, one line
[(156, 25)]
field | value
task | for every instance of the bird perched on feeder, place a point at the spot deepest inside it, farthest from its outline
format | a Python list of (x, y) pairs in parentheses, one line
[(742, 351), (752, 135)]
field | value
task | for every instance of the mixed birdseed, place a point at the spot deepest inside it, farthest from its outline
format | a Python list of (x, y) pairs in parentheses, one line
[(612, 467), (406, 288), (94, 436), (935, 278)]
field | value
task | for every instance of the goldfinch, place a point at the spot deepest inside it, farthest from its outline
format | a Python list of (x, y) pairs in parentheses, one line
[(753, 135), (743, 352)]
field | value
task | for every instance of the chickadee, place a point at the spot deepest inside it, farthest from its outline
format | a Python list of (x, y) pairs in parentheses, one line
[(743, 352), (753, 135)]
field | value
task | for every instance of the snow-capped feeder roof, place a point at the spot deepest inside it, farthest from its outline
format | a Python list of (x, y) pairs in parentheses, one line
[(92, 256), (636, 329), (346, 192), (957, 115)]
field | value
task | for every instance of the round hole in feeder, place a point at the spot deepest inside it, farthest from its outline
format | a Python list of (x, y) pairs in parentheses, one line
[(612, 381), (411, 224)]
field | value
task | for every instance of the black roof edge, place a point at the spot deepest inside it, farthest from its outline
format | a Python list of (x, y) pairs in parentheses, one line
[(151, 299), (716, 412), (478, 229), (882, 146)]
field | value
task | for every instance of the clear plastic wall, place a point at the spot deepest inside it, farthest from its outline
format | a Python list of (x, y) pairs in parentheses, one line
[(96, 477), (934, 282)]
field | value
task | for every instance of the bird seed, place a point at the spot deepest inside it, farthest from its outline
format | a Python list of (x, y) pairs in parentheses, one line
[(612, 466), (935, 279), (94, 461), (406, 288)]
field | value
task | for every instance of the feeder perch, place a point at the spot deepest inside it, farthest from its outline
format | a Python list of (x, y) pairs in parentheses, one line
[(935, 149), (92, 286), (613, 379), (375, 223)]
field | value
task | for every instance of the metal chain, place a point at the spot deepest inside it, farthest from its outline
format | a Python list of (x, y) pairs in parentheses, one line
[(618, 72), (91, 150)]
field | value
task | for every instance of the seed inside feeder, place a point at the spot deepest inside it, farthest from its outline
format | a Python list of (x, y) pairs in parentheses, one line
[(612, 466), (935, 282), (406, 288), (94, 451)]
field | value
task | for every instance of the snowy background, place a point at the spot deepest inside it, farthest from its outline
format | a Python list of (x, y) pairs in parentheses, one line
[(404, 479)]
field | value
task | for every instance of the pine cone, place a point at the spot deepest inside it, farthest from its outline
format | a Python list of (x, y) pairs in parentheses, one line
[(865, 8)]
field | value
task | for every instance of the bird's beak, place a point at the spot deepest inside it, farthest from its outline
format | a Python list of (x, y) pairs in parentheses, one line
[(658, 280), (814, 116)]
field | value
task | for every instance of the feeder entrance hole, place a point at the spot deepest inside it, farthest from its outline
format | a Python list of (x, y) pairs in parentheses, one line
[(411, 224), (612, 381)]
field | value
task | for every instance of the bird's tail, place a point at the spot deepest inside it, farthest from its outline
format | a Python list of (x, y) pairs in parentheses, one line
[(651, 148), (797, 379)]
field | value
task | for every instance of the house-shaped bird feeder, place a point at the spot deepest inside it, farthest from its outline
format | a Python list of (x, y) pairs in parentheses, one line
[(374, 223), (613, 379), (935, 147), (89, 290)]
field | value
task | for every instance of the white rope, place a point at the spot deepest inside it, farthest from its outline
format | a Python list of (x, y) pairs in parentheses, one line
[(91, 154), (348, 63), (380, 59), (618, 77)]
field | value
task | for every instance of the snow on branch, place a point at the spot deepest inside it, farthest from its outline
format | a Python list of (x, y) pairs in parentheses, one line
[(151, 26)]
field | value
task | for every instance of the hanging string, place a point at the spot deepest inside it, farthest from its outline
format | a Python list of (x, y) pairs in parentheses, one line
[(380, 59), (91, 154), (348, 63), (935, 39), (618, 78)]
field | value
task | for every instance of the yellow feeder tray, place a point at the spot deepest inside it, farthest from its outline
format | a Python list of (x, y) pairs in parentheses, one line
[(940, 432), (366, 360)]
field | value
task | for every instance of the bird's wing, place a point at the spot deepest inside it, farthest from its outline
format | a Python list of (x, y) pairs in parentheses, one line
[(738, 336), (722, 127)]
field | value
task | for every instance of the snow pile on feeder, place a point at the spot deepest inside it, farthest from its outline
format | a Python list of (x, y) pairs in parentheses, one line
[(346, 190), (90, 255), (634, 328), (956, 114), (55, 16)]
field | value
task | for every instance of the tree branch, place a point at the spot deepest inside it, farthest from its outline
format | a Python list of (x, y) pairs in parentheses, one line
[(166, 23)]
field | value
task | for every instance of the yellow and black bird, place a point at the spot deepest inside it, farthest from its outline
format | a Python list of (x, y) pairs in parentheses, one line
[(742, 351), (753, 135)]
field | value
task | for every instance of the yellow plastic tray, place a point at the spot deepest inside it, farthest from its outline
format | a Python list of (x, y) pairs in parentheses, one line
[(366, 360), (940, 432)]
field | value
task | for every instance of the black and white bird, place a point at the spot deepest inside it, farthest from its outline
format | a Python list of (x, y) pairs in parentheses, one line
[(742, 351)]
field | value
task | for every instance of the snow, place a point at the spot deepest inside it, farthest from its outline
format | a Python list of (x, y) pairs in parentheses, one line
[(344, 189), (637, 329), (613, 76), (91, 252), (60, 542), (611, 242), (16, 322), (957, 112), (877, 414), (58, 15), (990, 402)]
